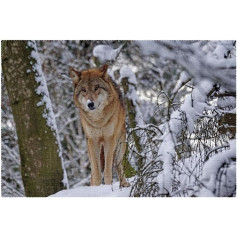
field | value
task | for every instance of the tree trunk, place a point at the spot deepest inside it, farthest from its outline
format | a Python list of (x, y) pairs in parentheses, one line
[(131, 112), (41, 165)]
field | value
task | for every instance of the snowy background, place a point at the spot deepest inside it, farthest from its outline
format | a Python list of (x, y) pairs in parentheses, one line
[(183, 100)]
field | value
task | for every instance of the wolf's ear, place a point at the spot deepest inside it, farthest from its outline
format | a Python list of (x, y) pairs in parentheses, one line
[(103, 69), (74, 75)]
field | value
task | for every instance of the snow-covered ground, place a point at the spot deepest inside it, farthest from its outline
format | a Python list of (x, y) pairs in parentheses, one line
[(96, 191)]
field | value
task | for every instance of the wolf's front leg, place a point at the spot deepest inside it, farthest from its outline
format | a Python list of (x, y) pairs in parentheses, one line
[(94, 153), (109, 150)]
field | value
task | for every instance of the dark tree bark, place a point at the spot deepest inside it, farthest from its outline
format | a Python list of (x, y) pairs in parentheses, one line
[(41, 166)]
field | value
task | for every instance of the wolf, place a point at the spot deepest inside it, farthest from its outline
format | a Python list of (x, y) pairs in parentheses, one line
[(102, 114)]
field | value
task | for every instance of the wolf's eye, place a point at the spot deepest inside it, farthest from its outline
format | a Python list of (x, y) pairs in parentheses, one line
[(83, 89), (96, 87)]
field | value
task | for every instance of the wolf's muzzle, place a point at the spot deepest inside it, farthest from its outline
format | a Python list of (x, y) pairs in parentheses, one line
[(91, 106)]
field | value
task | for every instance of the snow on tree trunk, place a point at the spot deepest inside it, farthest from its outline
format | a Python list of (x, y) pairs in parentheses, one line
[(40, 150), (128, 81)]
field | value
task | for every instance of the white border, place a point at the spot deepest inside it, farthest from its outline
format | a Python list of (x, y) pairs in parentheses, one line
[(124, 19)]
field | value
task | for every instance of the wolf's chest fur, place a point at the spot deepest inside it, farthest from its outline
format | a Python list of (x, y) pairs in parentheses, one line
[(101, 124)]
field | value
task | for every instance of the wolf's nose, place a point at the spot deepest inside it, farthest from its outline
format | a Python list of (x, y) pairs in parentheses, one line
[(91, 105)]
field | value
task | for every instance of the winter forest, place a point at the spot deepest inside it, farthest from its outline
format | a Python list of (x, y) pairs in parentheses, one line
[(180, 101)]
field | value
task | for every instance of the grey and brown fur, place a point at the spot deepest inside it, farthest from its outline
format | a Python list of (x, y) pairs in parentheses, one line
[(102, 114)]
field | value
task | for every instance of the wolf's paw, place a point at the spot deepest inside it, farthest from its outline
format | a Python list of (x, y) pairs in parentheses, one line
[(125, 184)]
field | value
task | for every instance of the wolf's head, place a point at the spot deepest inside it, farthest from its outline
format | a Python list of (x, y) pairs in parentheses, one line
[(91, 88)]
